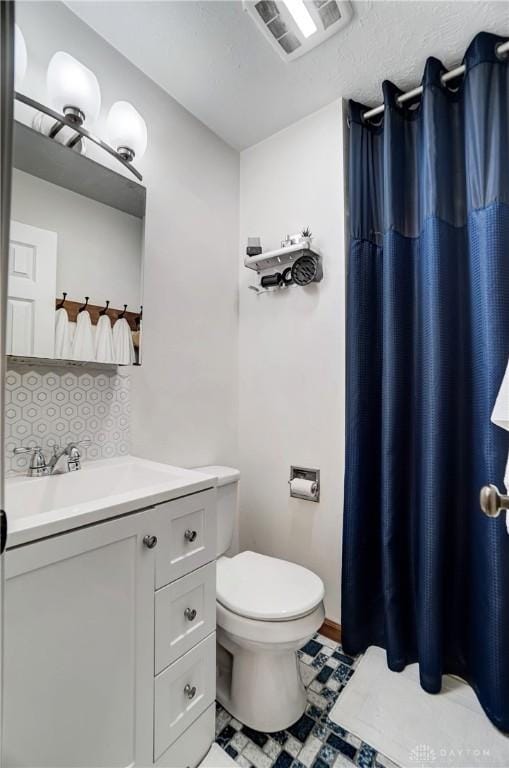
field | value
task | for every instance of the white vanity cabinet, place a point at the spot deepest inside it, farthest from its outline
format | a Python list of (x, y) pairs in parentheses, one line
[(110, 642)]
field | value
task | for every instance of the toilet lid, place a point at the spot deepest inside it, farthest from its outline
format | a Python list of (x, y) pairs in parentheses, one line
[(265, 588)]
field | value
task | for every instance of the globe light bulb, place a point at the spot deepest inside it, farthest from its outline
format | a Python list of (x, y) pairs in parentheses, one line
[(73, 89), (127, 131)]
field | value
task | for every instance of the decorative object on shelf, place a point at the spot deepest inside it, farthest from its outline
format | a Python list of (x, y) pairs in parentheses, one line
[(271, 281), (75, 100), (306, 236), (287, 276), (127, 131), (254, 246), (307, 269)]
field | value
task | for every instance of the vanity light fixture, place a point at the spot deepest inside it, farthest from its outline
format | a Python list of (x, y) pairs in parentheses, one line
[(127, 130), (20, 57), (72, 89), (75, 101)]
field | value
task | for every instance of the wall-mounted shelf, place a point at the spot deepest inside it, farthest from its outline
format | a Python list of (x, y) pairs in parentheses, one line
[(47, 159), (279, 258), (58, 362)]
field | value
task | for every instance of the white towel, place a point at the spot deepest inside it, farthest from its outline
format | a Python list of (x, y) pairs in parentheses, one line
[(83, 342), (62, 335), (104, 341), (500, 417), (123, 347)]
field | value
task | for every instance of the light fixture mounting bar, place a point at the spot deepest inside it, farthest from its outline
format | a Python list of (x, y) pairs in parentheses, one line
[(79, 129)]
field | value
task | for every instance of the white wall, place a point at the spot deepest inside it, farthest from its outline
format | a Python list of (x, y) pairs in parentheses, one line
[(292, 351), (99, 250), (184, 398)]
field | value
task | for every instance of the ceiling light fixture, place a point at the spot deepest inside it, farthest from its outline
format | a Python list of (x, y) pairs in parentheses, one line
[(302, 17), (295, 27)]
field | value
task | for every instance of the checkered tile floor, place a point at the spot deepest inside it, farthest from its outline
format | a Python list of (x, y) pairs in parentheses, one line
[(314, 741)]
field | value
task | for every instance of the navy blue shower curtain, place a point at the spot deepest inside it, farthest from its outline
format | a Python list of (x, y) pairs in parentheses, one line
[(425, 573)]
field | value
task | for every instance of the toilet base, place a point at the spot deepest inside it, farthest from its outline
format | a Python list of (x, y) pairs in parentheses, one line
[(259, 685)]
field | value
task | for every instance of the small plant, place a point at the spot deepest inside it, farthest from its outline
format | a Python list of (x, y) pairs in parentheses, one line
[(306, 232)]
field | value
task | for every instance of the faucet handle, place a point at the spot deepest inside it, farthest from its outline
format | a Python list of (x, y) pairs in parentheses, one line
[(38, 466), (26, 449), (74, 456)]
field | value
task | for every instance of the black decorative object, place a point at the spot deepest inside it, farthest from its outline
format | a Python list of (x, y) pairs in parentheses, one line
[(271, 281), (307, 269), (254, 246)]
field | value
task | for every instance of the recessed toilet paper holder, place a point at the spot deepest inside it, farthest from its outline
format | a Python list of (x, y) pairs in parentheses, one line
[(305, 473)]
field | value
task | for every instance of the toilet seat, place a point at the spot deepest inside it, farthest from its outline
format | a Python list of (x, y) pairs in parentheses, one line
[(273, 635), (266, 589)]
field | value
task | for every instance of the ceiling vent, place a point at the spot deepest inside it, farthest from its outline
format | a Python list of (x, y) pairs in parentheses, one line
[(294, 27)]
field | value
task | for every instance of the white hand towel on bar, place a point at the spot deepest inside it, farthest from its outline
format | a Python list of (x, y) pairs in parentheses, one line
[(104, 341), (62, 335), (83, 347), (123, 347), (500, 417)]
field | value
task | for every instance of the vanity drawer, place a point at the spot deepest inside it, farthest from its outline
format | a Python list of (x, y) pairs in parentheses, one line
[(182, 692), (186, 535), (185, 613), (189, 749)]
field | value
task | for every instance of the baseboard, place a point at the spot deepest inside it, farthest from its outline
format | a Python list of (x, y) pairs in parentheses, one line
[(331, 629)]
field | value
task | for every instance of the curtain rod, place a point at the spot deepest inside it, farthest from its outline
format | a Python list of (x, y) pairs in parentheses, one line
[(450, 75)]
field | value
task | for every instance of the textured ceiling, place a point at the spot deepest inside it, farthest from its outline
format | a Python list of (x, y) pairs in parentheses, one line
[(211, 58)]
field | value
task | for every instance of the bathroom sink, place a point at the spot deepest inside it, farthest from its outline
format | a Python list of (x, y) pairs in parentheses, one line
[(40, 507)]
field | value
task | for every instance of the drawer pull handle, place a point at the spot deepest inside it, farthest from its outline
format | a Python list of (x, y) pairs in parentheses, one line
[(190, 614), (150, 541), (190, 535), (189, 691)]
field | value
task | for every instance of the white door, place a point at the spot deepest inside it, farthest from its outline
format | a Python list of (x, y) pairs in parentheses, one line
[(31, 291)]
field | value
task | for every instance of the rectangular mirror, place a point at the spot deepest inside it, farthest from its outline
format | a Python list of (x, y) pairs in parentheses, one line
[(77, 228)]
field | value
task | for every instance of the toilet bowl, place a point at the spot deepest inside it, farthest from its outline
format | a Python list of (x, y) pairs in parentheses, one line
[(266, 609)]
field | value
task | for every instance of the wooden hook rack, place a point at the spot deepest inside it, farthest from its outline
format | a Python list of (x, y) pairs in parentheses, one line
[(95, 311)]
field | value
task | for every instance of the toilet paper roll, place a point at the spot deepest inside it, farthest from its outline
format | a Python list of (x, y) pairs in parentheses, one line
[(305, 488)]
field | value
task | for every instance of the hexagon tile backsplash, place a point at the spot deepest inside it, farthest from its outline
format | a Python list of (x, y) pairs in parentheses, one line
[(47, 405)]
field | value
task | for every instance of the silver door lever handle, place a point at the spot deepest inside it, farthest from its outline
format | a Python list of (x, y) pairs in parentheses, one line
[(492, 501)]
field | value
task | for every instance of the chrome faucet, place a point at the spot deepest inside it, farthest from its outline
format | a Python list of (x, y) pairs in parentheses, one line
[(72, 453), (38, 466)]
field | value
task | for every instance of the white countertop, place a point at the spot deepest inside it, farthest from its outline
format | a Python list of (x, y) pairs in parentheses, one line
[(43, 506)]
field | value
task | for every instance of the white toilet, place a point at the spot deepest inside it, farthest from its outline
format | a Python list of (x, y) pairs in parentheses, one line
[(266, 610)]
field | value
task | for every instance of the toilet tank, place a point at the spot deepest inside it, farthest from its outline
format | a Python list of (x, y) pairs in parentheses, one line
[(227, 503)]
